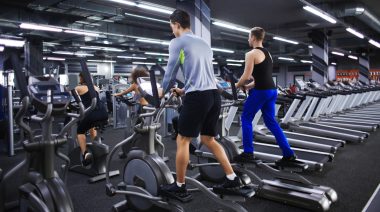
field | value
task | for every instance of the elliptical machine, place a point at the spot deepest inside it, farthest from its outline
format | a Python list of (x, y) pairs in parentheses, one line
[(42, 189), (287, 186), (145, 171), (96, 170)]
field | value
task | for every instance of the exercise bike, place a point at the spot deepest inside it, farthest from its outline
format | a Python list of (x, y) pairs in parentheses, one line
[(96, 170), (145, 171), (42, 189)]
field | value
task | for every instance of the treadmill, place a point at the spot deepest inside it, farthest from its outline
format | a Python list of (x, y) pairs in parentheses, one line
[(338, 104), (296, 122)]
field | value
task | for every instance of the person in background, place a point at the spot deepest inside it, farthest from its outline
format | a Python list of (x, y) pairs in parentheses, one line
[(87, 123), (293, 88), (139, 71)]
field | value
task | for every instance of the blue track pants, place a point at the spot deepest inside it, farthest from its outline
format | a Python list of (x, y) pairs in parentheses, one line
[(265, 101)]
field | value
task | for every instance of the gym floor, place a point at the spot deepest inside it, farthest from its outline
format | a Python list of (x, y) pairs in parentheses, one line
[(354, 174)]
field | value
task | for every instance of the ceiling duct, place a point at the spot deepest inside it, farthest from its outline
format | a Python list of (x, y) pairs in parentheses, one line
[(360, 12)]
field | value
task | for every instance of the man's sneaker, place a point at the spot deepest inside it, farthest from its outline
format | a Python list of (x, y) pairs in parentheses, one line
[(291, 162), (175, 192), (229, 187), (245, 158), (86, 159), (292, 159)]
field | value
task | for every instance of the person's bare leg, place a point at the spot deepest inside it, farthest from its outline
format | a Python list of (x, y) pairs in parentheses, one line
[(182, 157), (93, 133), (219, 153), (82, 142)]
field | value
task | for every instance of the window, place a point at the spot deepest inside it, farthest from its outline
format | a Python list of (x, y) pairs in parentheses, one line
[(275, 80), (300, 77)]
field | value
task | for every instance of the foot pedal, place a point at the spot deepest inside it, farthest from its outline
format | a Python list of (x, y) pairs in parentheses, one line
[(165, 159), (122, 155), (250, 164), (184, 198), (247, 191), (103, 176), (292, 166)]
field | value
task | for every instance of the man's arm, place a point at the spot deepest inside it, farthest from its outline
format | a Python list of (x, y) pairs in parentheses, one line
[(174, 62), (249, 64)]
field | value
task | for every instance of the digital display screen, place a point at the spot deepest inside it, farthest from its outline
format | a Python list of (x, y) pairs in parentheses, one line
[(47, 87), (224, 84)]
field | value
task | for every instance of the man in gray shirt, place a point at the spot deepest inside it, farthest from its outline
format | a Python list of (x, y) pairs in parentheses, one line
[(201, 107)]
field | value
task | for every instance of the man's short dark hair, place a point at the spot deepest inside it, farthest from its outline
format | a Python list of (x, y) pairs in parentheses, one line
[(181, 17), (258, 33)]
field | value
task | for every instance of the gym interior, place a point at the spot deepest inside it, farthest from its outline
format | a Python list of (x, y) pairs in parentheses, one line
[(326, 70)]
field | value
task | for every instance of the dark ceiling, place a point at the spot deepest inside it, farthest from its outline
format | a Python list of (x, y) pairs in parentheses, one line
[(279, 17)]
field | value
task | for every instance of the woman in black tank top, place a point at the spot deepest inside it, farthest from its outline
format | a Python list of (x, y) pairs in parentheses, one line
[(262, 96), (98, 114)]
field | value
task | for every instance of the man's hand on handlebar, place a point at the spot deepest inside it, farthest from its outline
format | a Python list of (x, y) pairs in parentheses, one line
[(249, 86), (246, 87), (178, 91)]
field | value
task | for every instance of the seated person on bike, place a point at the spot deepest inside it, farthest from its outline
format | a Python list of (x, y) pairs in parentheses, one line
[(139, 71), (98, 114)]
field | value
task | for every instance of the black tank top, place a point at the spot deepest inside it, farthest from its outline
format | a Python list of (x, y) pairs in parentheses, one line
[(262, 72), (86, 100)]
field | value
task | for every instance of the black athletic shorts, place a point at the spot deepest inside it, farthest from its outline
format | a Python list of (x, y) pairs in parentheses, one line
[(89, 121), (199, 114)]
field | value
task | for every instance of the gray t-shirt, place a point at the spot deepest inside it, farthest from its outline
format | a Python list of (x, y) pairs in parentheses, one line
[(194, 56)]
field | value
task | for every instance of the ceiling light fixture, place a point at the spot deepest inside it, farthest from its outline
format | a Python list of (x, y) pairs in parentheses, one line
[(102, 61), (306, 61), (102, 48), (157, 53), (39, 27), (144, 6), (222, 50), (147, 18), (320, 13), (54, 58), (354, 32), (142, 63), (338, 53), (83, 54), (63, 52), (234, 64), (82, 33), (130, 3), (131, 57), (156, 9), (143, 40), (286, 58), (12, 43), (352, 57), (375, 43), (231, 26), (50, 44), (235, 61), (333, 64), (285, 40)]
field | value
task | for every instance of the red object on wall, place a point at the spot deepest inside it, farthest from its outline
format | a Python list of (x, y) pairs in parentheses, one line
[(374, 74), (347, 74)]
